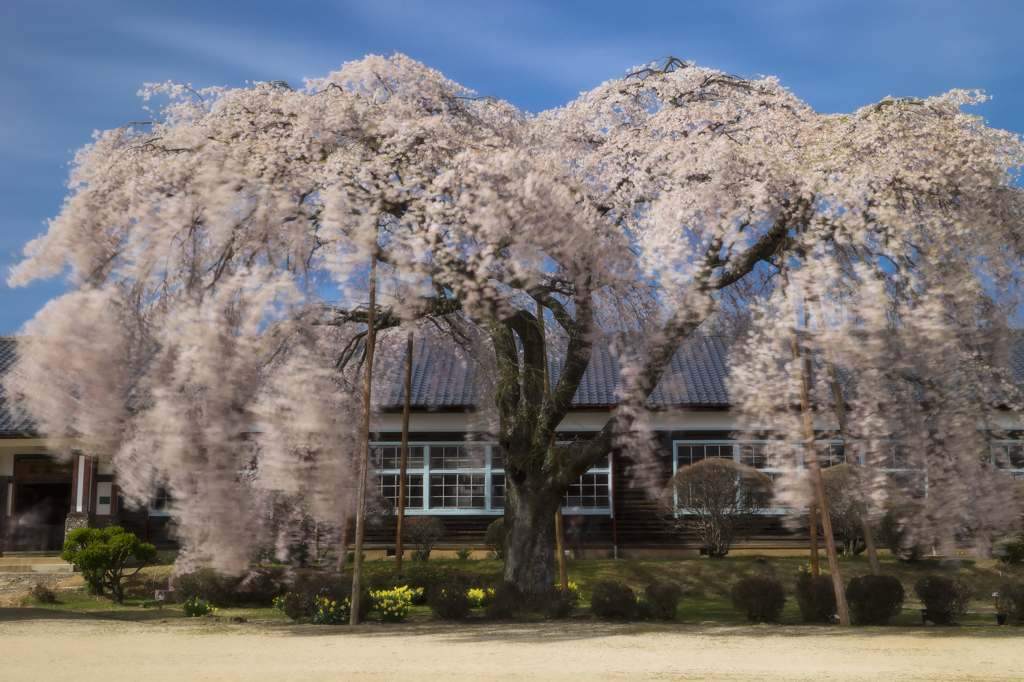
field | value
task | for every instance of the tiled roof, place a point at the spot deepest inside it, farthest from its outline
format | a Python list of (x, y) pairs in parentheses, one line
[(13, 421), (444, 376)]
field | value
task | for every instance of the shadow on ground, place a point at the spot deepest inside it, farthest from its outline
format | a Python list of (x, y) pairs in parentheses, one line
[(8, 615)]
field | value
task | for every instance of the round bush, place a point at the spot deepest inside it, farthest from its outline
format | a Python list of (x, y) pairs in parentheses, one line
[(449, 602), (200, 583), (816, 597), (759, 598), (1010, 603), (874, 599), (261, 586), (612, 599), (663, 600), (505, 601), (945, 599), (555, 604)]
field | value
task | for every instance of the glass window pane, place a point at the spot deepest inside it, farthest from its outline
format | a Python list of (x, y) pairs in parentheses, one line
[(413, 489), (590, 492), (754, 455), (457, 491), (831, 454), (457, 457), (497, 491), (390, 457), (1015, 453)]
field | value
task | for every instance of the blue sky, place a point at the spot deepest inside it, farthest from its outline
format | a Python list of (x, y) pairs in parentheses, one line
[(68, 68)]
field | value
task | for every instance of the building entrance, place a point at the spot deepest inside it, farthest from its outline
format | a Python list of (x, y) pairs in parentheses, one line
[(40, 505)]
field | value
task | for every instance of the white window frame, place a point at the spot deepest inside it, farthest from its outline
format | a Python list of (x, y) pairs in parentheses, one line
[(488, 470)]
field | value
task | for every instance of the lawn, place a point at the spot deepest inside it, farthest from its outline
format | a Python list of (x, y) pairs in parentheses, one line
[(706, 584)]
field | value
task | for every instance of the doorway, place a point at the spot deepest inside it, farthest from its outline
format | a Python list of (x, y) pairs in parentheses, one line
[(40, 510)]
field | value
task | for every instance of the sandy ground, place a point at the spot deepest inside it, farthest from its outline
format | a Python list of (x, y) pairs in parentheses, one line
[(35, 645)]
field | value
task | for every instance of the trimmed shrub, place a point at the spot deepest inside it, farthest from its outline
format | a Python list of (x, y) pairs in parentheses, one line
[(1010, 603), (505, 601), (874, 599), (43, 594), (101, 555), (494, 538), (759, 598), (663, 600), (1010, 551), (945, 599), (449, 602), (301, 600), (612, 599), (816, 597), (411, 575), (260, 586), (554, 603), (200, 583), (643, 609)]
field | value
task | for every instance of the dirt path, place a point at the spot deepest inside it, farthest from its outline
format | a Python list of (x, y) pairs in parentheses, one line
[(86, 650)]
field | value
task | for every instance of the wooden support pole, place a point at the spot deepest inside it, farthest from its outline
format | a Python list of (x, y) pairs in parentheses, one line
[(563, 568), (814, 537), (848, 448), (404, 462), (364, 455), (815, 471)]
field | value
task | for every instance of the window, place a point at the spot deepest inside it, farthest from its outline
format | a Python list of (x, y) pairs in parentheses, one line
[(590, 492), (830, 454), (497, 490), (754, 455), (897, 456), (390, 457), (457, 491), (450, 478), (413, 489), (695, 452), (1008, 455), (456, 457), (162, 500)]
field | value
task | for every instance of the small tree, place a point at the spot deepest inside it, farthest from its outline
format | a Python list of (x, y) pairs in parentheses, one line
[(101, 555), (423, 532), (716, 499), (842, 510), (494, 538)]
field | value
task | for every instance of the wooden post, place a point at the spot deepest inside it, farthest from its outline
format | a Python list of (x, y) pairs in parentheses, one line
[(814, 537), (844, 432), (815, 470), (563, 568), (404, 463), (364, 455)]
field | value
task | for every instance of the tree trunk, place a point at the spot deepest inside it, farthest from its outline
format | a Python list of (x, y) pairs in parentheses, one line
[(530, 534)]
